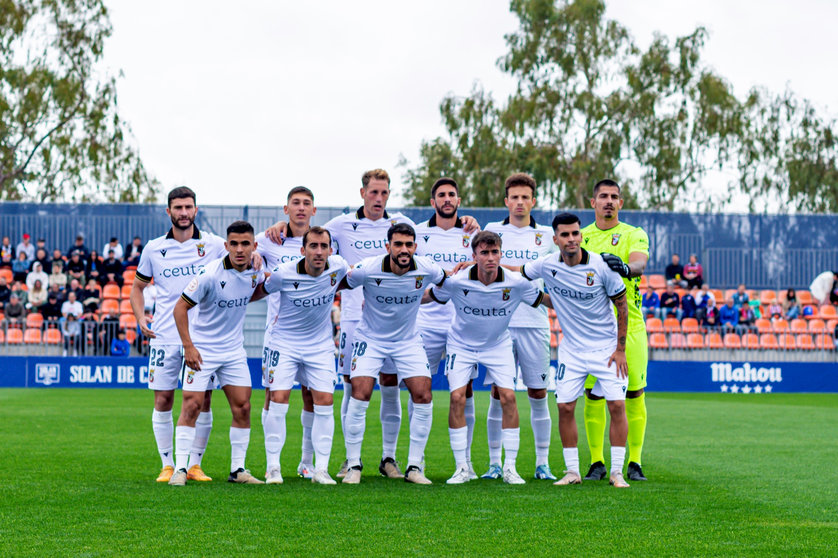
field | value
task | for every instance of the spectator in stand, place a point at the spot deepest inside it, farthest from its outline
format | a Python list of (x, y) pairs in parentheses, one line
[(17, 290), (748, 316), (20, 267), (120, 347), (702, 299), (693, 272), (740, 297), (57, 256), (791, 296), (57, 277), (71, 330), (42, 258), (775, 310), (111, 270), (5, 292), (27, 248), (688, 304), (57, 291), (51, 310), (37, 296), (107, 331), (94, 266), (793, 311), (41, 244), (71, 306), (37, 274), (14, 310), (7, 248), (728, 315), (651, 303), (824, 288), (74, 286), (91, 297), (115, 246), (710, 318), (132, 257), (76, 267), (671, 303), (6, 261), (82, 249), (674, 272), (755, 308)]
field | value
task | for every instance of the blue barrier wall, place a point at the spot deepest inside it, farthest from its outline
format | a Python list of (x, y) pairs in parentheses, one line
[(686, 376), (763, 251)]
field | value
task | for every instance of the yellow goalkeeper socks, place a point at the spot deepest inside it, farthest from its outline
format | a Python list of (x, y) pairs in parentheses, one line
[(636, 416), (595, 418)]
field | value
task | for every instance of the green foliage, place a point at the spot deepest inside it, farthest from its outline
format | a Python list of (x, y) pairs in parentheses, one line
[(590, 104), (61, 137)]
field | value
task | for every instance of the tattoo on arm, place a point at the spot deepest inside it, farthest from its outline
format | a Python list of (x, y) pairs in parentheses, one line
[(622, 320)]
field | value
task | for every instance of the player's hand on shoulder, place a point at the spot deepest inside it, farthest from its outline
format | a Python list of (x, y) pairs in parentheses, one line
[(616, 264), (276, 232), (470, 224), (460, 266), (256, 260)]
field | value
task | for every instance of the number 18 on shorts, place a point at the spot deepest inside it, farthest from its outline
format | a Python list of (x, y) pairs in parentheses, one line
[(574, 367)]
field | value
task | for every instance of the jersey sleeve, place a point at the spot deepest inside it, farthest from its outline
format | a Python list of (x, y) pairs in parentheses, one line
[(197, 289), (334, 228), (639, 241), (436, 273), (358, 274), (215, 246), (611, 280), (145, 269), (340, 265), (532, 270), (442, 293), (530, 294)]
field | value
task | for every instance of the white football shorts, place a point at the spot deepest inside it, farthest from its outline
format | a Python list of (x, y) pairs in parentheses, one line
[(405, 358), (229, 369), (574, 366), (531, 347), (461, 364), (313, 367)]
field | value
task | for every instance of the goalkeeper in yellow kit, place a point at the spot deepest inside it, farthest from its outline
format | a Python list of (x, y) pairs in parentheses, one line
[(626, 250)]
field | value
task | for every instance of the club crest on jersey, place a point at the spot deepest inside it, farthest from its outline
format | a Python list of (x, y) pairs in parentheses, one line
[(589, 278), (538, 238), (201, 251), (253, 279), (163, 253), (394, 222), (615, 239), (333, 278), (506, 294), (354, 362), (466, 241), (419, 280)]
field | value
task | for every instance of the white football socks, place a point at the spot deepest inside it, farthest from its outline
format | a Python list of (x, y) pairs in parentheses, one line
[(391, 420), (459, 439), (322, 432), (275, 432), (184, 438), (353, 430), (511, 441), (420, 429), (163, 428), (203, 427), (618, 457), (542, 425), (239, 440), (307, 419), (494, 425), (571, 460)]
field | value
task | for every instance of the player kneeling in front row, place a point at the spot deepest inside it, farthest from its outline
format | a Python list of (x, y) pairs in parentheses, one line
[(302, 345), (216, 348), (582, 287), (485, 298), (393, 287)]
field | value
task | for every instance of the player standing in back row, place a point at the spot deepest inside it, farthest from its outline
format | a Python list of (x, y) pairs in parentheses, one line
[(524, 240), (626, 250), (171, 261)]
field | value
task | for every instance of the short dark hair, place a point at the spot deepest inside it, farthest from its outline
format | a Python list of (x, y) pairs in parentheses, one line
[(316, 230), (519, 179), (378, 174), (564, 219), (485, 237), (300, 190), (607, 182), (442, 182), (400, 228), (241, 227), (181, 192)]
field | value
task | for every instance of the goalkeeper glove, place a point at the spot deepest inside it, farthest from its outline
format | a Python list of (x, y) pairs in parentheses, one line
[(616, 264)]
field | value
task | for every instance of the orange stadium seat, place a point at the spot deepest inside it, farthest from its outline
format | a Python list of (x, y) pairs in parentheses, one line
[(831, 324), (654, 325), (657, 281), (131, 335), (34, 320), (678, 341), (751, 341), (828, 312), (780, 325), (672, 325), (728, 293), (658, 341), (695, 341), (32, 336), (644, 282), (733, 341), (125, 307), (752, 294), (768, 341), (554, 342), (799, 326), (787, 341), (111, 292), (14, 336), (128, 275), (804, 341), (126, 291), (689, 325), (767, 297), (7, 274), (128, 321), (824, 341), (717, 294), (804, 298), (109, 304), (52, 337), (764, 325), (714, 341), (817, 326)]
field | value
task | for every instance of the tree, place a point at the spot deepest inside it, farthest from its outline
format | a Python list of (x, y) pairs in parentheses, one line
[(61, 137), (590, 104)]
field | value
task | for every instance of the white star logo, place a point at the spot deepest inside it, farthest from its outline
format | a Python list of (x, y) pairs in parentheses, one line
[(724, 388), (768, 388), (734, 389), (746, 389), (757, 389)]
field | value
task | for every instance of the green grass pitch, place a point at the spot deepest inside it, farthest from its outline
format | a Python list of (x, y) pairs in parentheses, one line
[(730, 475)]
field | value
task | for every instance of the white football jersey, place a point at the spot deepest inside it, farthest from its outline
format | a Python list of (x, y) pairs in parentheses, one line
[(484, 311), (273, 255), (356, 237), (391, 302), (305, 313), (222, 295), (522, 245), (582, 298), (447, 248), (172, 265)]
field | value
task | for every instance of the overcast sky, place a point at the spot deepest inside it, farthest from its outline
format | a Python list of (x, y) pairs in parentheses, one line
[(242, 101)]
